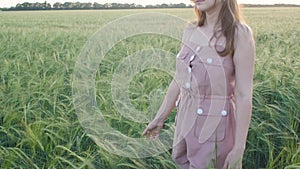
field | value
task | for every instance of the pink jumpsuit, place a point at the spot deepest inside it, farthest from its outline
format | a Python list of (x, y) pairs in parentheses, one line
[(205, 122)]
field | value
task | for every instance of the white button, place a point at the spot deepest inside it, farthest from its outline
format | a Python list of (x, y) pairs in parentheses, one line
[(209, 60), (177, 102), (178, 54), (199, 111), (192, 58), (224, 113), (189, 69), (187, 85), (198, 48)]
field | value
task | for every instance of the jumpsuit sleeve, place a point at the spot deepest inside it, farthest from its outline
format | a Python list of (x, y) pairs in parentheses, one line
[(243, 59)]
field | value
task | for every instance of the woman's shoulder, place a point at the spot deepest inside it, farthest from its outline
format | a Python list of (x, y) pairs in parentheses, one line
[(242, 29), (243, 34), (188, 30), (190, 27), (244, 41)]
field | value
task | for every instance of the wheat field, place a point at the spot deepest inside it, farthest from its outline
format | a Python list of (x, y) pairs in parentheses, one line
[(39, 127)]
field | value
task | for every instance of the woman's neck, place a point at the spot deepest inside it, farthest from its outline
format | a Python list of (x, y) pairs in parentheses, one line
[(212, 16)]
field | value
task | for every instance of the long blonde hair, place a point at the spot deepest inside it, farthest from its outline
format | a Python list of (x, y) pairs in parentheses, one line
[(228, 18)]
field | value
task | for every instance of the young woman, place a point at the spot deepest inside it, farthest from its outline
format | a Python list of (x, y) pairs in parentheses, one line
[(212, 89)]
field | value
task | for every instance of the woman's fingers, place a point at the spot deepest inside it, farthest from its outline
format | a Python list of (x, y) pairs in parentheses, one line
[(145, 132), (152, 130), (225, 165), (148, 129), (234, 159), (227, 162), (230, 164)]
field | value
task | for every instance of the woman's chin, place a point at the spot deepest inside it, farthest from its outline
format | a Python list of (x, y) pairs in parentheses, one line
[(201, 7)]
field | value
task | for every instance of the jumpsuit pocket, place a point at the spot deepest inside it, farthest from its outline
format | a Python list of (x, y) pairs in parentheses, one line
[(218, 132)]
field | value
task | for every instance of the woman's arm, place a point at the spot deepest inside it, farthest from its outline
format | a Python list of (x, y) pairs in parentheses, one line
[(243, 58), (169, 102), (244, 70), (153, 129)]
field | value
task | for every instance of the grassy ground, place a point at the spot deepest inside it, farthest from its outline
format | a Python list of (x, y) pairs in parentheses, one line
[(39, 126)]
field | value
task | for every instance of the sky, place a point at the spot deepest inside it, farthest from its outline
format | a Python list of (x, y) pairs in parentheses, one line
[(10, 3)]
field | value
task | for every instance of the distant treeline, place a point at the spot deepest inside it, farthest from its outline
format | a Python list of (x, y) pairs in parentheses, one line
[(85, 6), (95, 5), (275, 5)]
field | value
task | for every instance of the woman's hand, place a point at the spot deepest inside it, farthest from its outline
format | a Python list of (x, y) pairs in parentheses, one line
[(153, 129), (234, 159)]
